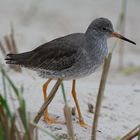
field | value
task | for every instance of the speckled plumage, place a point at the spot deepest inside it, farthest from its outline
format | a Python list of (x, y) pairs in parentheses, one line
[(72, 56)]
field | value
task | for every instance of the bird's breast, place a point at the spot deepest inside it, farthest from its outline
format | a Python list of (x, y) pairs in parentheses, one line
[(95, 57)]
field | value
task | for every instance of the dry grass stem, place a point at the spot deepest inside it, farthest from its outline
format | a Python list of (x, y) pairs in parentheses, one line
[(122, 18), (47, 102), (13, 42), (9, 45), (100, 95), (132, 134), (67, 114), (68, 118), (2, 49)]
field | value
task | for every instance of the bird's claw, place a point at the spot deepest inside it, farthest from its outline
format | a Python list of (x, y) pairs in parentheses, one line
[(49, 120), (83, 124)]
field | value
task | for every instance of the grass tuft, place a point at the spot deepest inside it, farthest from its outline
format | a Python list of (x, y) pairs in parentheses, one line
[(16, 125)]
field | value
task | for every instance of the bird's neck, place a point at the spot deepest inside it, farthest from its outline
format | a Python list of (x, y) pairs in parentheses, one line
[(95, 40), (97, 44), (93, 35)]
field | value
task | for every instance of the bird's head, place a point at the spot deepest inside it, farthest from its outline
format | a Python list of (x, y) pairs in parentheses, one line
[(104, 28)]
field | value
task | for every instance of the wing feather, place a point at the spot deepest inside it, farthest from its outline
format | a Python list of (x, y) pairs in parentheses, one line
[(54, 57)]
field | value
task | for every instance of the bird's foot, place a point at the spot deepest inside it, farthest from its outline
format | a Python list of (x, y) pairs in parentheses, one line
[(83, 124), (50, 120)]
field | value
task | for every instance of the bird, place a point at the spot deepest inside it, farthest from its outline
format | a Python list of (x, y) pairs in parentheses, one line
[(72, 57)]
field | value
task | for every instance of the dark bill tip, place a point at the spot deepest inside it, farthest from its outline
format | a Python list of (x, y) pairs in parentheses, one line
[(114, 34)]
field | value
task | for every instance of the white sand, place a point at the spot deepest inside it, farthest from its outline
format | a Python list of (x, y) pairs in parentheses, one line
[(45, 20)]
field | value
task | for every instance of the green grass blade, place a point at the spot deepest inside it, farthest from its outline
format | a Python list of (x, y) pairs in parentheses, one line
[(64, 93), (22, 108), (2, 134), (10, 82), (4, 86), (4, 104), (139, 135), (23, 115)]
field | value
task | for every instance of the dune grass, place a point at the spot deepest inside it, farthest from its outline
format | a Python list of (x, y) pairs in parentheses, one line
[(15, 123), (67, 114)]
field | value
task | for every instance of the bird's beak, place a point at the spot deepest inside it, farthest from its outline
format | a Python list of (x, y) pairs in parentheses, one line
[(114, 34)]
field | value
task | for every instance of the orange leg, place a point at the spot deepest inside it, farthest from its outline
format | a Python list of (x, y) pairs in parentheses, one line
[(81, 120), (46, 115)]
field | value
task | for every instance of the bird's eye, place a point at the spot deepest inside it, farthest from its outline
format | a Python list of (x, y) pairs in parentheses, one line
[(104, 29)]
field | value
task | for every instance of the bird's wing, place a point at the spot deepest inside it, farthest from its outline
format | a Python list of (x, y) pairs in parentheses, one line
[(55, 56)]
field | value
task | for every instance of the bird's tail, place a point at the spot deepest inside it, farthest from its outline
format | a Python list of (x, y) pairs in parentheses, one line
[(18, 59)]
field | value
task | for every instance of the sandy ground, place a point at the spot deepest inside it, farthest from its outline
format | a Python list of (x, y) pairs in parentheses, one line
[(38, 22)]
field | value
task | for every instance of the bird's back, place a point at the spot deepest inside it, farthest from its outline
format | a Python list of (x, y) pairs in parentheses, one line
[(53, 57)]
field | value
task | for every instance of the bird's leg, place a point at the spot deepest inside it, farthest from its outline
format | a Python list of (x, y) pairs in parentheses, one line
[(81, 120), (46, 115)]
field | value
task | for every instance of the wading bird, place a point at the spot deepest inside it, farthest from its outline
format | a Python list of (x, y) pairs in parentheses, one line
[(71, 57)]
